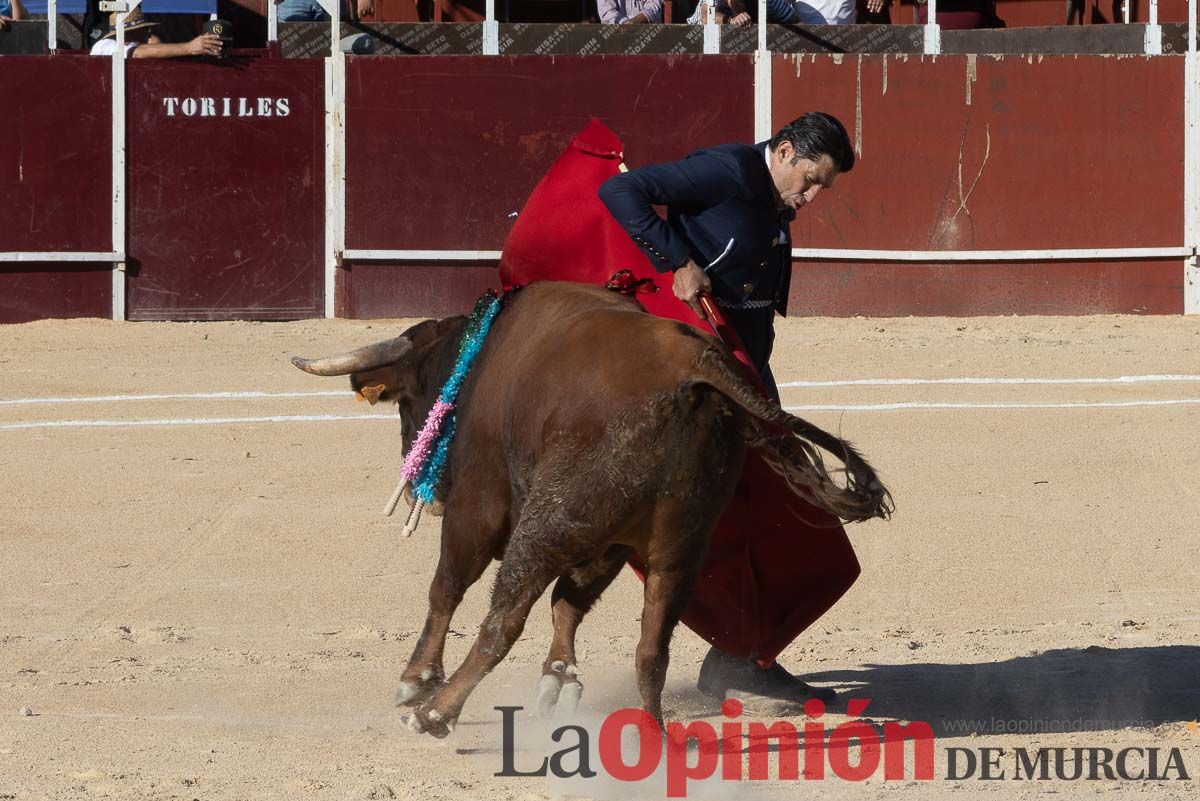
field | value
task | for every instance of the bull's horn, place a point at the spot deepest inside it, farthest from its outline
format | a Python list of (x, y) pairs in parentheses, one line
[(367, 357)]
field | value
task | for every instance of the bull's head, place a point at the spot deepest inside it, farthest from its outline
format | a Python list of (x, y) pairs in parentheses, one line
[(407, 370)]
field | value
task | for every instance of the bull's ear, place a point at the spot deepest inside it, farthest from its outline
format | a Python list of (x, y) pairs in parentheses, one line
[(371, 394), (380, 384)]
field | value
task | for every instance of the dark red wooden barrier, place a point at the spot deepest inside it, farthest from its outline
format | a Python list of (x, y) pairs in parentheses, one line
[(982, 153), (442, 149), (226, 189), (889, 289), (40, 290), (55, 192), (440, 289)]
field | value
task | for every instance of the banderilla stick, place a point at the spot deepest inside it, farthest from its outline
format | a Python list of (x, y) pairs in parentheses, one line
[(390, 506)]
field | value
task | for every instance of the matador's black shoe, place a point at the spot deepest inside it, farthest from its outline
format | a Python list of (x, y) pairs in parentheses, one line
[(722, 673)]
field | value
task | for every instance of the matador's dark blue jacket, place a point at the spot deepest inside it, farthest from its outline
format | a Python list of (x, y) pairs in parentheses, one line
[(712, 196)]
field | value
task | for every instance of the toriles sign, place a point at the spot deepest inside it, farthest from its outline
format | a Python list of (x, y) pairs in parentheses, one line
[(227, 106), (226, 177)]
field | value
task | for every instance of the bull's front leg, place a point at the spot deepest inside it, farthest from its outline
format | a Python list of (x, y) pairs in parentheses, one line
[(538, 552), (461, 564), (517, 589)]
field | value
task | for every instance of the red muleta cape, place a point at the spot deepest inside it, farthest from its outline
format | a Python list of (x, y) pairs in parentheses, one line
[(776, 563)]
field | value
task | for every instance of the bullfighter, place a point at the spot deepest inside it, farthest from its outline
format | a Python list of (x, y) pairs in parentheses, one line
[(727, 233)]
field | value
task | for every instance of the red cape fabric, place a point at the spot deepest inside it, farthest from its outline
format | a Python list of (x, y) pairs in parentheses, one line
[(776, 563)]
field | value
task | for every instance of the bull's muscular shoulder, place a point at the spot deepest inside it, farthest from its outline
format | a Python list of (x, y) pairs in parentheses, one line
[(574, 328), (564, 359)]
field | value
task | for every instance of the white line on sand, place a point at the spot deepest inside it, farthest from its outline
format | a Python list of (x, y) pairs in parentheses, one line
[(854, 382), (179, 396), (197, 421), (884, 407), (909, 382), (322, 418)]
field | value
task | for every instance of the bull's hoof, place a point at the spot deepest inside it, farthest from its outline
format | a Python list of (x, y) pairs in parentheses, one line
[(411, 722), (558, 690), (429, 721), (410, 693), (413, 692), (549, 687), (568, 699)]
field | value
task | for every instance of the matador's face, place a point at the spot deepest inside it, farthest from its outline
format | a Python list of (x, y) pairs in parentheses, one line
[(798, 180)]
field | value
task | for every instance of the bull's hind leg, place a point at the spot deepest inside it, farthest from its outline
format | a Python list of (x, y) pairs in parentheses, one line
[(575, 592), (465, 555), (668, 587), (679, 536), (691, 499)]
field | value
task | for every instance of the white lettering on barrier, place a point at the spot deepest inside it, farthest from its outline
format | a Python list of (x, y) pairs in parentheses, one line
[(225, 107)]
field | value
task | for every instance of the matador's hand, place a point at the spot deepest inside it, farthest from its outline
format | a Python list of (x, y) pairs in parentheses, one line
[(689, 282)]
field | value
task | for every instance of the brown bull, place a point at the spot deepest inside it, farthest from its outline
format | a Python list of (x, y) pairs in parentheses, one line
[(588, 432)]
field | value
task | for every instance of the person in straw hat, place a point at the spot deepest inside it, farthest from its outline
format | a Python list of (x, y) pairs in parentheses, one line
[(140, 41)]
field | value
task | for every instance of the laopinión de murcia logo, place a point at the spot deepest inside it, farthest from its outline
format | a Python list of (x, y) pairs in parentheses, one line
[(854, 751), (1088, 763)]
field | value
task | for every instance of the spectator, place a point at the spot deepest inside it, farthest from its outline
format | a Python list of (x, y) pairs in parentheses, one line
[(140, 41), (10, 10), (826, 12), (875, 12), (629, 12), (721, 9), (312, 11), (782, 12)]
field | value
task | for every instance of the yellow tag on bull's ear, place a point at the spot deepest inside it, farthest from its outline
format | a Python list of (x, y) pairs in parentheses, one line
[(371, 394)]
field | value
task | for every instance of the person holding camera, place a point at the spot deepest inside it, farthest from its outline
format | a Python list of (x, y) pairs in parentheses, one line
[(140, 41)]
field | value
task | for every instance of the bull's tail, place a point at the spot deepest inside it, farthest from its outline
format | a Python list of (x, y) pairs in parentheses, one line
[(796, 455)]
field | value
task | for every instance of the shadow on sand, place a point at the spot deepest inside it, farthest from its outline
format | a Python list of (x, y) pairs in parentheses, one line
[(1088, 689)]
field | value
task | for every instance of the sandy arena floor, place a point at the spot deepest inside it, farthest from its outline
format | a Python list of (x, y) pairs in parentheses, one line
[(219, 611)]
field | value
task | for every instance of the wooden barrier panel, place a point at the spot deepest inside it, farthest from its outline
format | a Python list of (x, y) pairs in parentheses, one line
[(226, 185), (55, 190), (974, 153), (226, 189), (874, 289), (441, 289), (442, 150), (983, 153), (40, 290)]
